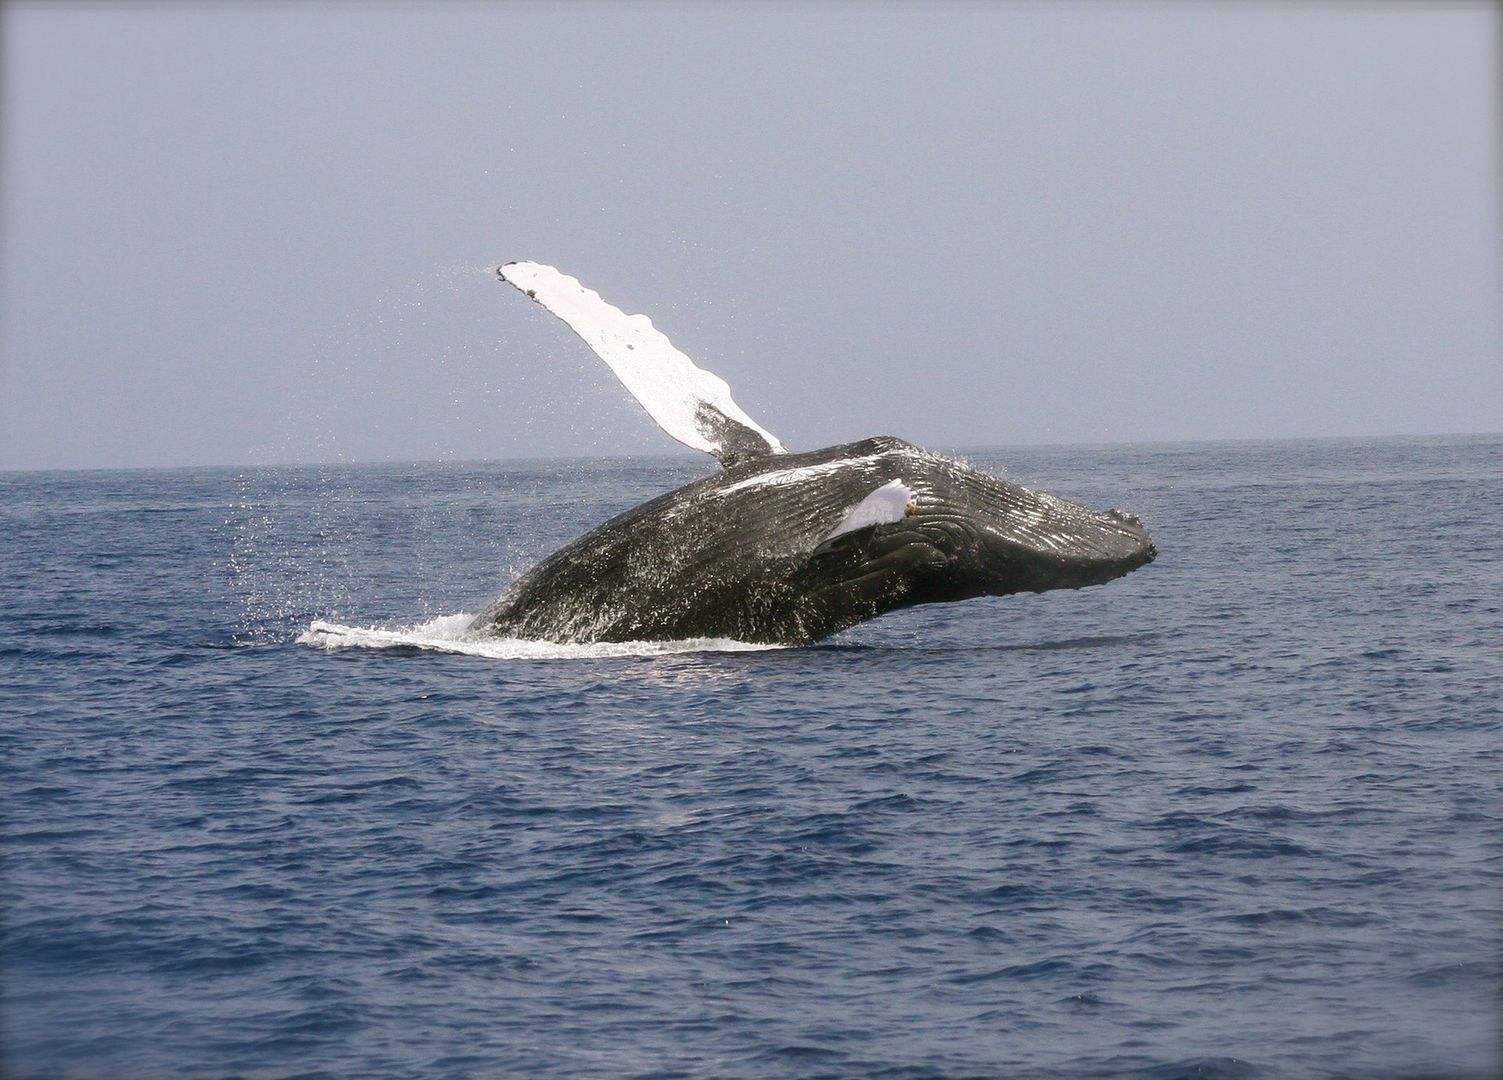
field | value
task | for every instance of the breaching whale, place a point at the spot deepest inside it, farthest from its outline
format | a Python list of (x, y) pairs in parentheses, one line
[(779, 547)]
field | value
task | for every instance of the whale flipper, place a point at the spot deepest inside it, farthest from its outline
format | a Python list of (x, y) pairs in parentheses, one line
[(890, 503), (689, 403)]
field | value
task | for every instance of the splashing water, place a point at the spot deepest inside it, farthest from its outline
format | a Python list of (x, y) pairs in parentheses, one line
[(451, 633)]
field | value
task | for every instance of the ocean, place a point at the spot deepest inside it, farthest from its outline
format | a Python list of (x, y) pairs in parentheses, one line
[(1237, 814)]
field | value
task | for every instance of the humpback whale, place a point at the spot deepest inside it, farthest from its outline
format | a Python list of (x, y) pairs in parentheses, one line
[(780, 547)]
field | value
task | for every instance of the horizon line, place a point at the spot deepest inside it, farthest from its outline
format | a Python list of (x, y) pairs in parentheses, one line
[(690, 455)]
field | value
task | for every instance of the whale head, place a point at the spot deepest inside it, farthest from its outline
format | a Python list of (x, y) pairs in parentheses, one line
[(965, 533)]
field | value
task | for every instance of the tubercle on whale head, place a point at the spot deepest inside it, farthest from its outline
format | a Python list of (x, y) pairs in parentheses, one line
[(1135, 523)]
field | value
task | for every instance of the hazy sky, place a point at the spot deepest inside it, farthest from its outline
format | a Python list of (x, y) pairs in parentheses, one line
[(255, 233)]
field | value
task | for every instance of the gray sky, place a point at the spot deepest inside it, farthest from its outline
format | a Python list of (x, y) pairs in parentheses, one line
[(256, 233)]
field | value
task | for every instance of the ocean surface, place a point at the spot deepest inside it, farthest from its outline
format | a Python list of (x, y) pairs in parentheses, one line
[(1238, 814)]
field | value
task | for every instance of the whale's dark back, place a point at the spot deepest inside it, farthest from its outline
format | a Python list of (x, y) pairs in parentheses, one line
[(738, 554)]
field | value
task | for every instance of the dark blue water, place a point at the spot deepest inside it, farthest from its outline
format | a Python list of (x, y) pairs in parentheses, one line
[(1237, 814)]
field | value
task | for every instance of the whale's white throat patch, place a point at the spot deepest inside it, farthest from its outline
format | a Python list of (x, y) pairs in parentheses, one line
[(889, 503), (688, 402)]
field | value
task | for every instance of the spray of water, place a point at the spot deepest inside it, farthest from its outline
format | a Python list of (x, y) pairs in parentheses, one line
[(450, 634)]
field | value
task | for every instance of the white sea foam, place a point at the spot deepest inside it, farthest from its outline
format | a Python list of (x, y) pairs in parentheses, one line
[(451, 633)]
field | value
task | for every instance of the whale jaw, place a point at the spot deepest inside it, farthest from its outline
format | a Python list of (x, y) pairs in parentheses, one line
[(972, 535)]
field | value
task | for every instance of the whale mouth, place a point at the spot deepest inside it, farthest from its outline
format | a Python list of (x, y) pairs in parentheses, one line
[(1086, 549)]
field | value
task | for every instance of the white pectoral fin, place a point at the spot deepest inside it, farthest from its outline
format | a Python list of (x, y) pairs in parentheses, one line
[(689, 403), (887, 504)]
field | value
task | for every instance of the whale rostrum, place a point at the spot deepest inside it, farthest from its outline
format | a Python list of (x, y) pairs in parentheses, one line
[(787, 548)]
